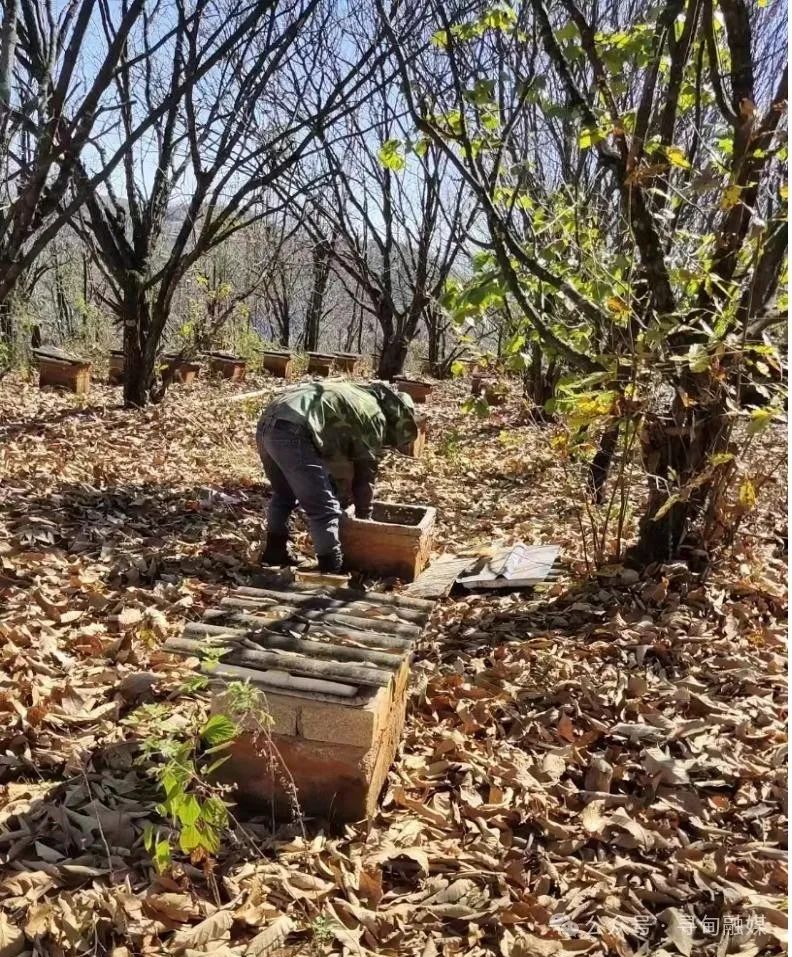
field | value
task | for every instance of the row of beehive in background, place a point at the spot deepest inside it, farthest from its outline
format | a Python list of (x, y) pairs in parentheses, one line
[(62, 370)]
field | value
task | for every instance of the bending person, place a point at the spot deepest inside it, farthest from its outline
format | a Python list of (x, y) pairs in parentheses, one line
[(320, 444)]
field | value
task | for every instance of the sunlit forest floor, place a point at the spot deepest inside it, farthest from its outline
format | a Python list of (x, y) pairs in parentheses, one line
[(594, 767)]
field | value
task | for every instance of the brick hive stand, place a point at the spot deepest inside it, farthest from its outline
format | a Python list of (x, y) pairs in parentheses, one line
[(335, 695), (347, 362)]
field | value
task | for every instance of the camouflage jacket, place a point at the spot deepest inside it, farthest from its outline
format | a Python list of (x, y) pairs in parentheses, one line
[(349, 429)]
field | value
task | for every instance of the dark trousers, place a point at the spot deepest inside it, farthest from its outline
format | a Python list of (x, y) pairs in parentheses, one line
[(297, 474)]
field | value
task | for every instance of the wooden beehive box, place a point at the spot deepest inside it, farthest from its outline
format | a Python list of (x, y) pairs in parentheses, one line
[(115, 372), (227, 366), (278, 364), (61, 370), (334, 694), (415, 448), (396, 541), (417, 389), (348, 362), (181, 370), (319, 363)]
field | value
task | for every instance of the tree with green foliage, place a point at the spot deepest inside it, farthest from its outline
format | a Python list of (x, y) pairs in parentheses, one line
[(630, 161)]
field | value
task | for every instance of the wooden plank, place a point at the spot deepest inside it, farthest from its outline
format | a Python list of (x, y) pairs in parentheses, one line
[(318, 630), (278, 682), (263, 637), (438, 579), (368, 675), (286, 579), (280, 613), (368, 638), (360, 605)]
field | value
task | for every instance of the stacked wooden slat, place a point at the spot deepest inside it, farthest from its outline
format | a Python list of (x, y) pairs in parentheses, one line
[(333, 665)]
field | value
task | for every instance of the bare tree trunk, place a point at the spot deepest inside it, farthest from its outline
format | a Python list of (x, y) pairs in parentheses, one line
[(601, 463), (434, 326), (321, 277), (8, 39), (393, 357), (677, 453), (6, 327), (139, 350)]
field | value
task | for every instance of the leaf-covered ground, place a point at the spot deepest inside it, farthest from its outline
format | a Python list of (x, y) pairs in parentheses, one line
[(597, 767)]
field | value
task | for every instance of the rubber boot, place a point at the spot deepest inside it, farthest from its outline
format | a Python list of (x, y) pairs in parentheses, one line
[(331, 563), (277, 551)]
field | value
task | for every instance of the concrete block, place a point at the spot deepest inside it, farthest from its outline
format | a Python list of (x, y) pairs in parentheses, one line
[(333, 765)]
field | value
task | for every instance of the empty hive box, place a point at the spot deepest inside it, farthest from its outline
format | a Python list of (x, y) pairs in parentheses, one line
[(320, 363), (396, 541), (417, 389), (334, 695), (61, 370), (278, 364), (227, 366)]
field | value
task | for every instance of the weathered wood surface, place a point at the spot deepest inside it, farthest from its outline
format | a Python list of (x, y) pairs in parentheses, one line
[(55, 354), (261, 638), (362, 604), (280, 613), (334, 666), (438, 580), (281, 681), (287, 578), (297, 664)]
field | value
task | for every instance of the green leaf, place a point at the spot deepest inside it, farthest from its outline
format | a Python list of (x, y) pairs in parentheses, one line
[(190, 838), (677, 157), (162, 856), (194, 683), (216, 764), (760, 420), (482, 92), (476, 404), (568, 32), (589, 137), (187, 809), (391, 155), (219, 729)]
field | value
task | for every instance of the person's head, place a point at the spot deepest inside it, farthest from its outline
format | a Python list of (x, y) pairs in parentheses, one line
[(400, 425)]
